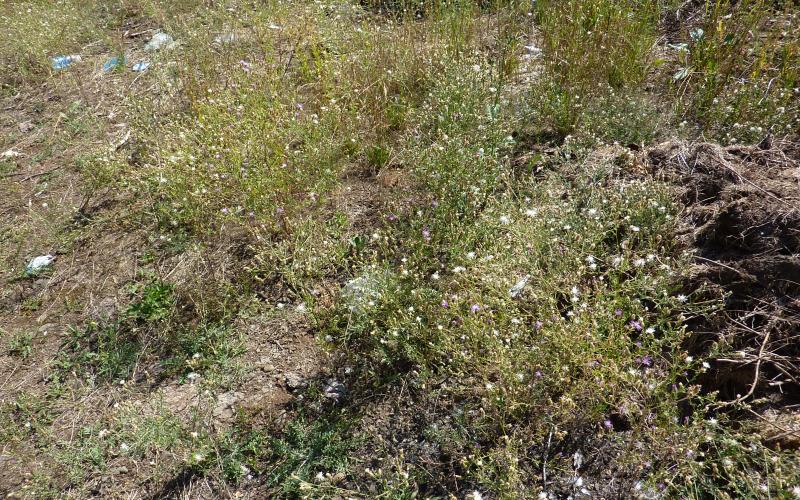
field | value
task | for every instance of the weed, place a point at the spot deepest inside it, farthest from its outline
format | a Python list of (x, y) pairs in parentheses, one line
[(155, 302), (106, 352), (21, 344), (305, 449)]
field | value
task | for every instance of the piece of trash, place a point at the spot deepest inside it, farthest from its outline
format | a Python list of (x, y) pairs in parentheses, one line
[(682, 74), (533, 50), (141, 66), (113, 63), (225, 38), (365, 291), (680, 47), (274, 26), (61, 62), (10, 153), (39, 263), (697, 34), (516, 290), (159, 41)]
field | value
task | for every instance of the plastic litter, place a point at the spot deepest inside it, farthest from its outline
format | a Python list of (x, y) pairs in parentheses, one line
[(516, 290), (533, 50), (362, 292), (62, 62), (141, 66), (225, 38), (39, 263), (113, 63), (159, 41), (10, 154)]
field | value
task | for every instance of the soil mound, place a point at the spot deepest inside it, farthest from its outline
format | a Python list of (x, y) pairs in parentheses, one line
[(742, 224)]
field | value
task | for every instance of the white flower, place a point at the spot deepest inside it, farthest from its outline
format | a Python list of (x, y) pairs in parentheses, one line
[(592, 211), (689, 359), (471, 255), (590, 259), (706, 365), (505, 220), (639, 262), (531, 212), (635, 229), (681, 298), (435, 275), (475, 495), (459, 269), (616, 261), (650, 330), (489, 386)]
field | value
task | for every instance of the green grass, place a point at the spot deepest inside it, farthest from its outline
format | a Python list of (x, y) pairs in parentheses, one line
[(517, 300)]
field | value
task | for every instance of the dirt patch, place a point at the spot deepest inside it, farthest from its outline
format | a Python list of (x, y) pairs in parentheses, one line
[(742, 225)]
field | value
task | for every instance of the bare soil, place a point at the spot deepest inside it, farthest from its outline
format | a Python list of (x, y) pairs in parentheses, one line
[(742, 226)]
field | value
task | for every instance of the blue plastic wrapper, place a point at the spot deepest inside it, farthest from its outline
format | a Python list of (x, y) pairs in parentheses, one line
[(141, 66), (62, 62)]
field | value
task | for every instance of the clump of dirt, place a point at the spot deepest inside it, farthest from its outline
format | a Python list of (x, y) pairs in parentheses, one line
[(742, 225)]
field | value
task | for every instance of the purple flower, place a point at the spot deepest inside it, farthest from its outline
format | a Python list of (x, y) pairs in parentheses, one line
[(279, 210), (426, 235), (646, 361), (608, 424), (475, 308), (618, 312), (225, 210), (445, 304), (391, 217), (299, 106), (538, 325), (538, 374), (636, 325)]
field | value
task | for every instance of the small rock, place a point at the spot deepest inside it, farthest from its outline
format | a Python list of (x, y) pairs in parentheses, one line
[(335, 390), (225, 405), (294, 381), (26, 126), (45, 328), (265, 365)]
